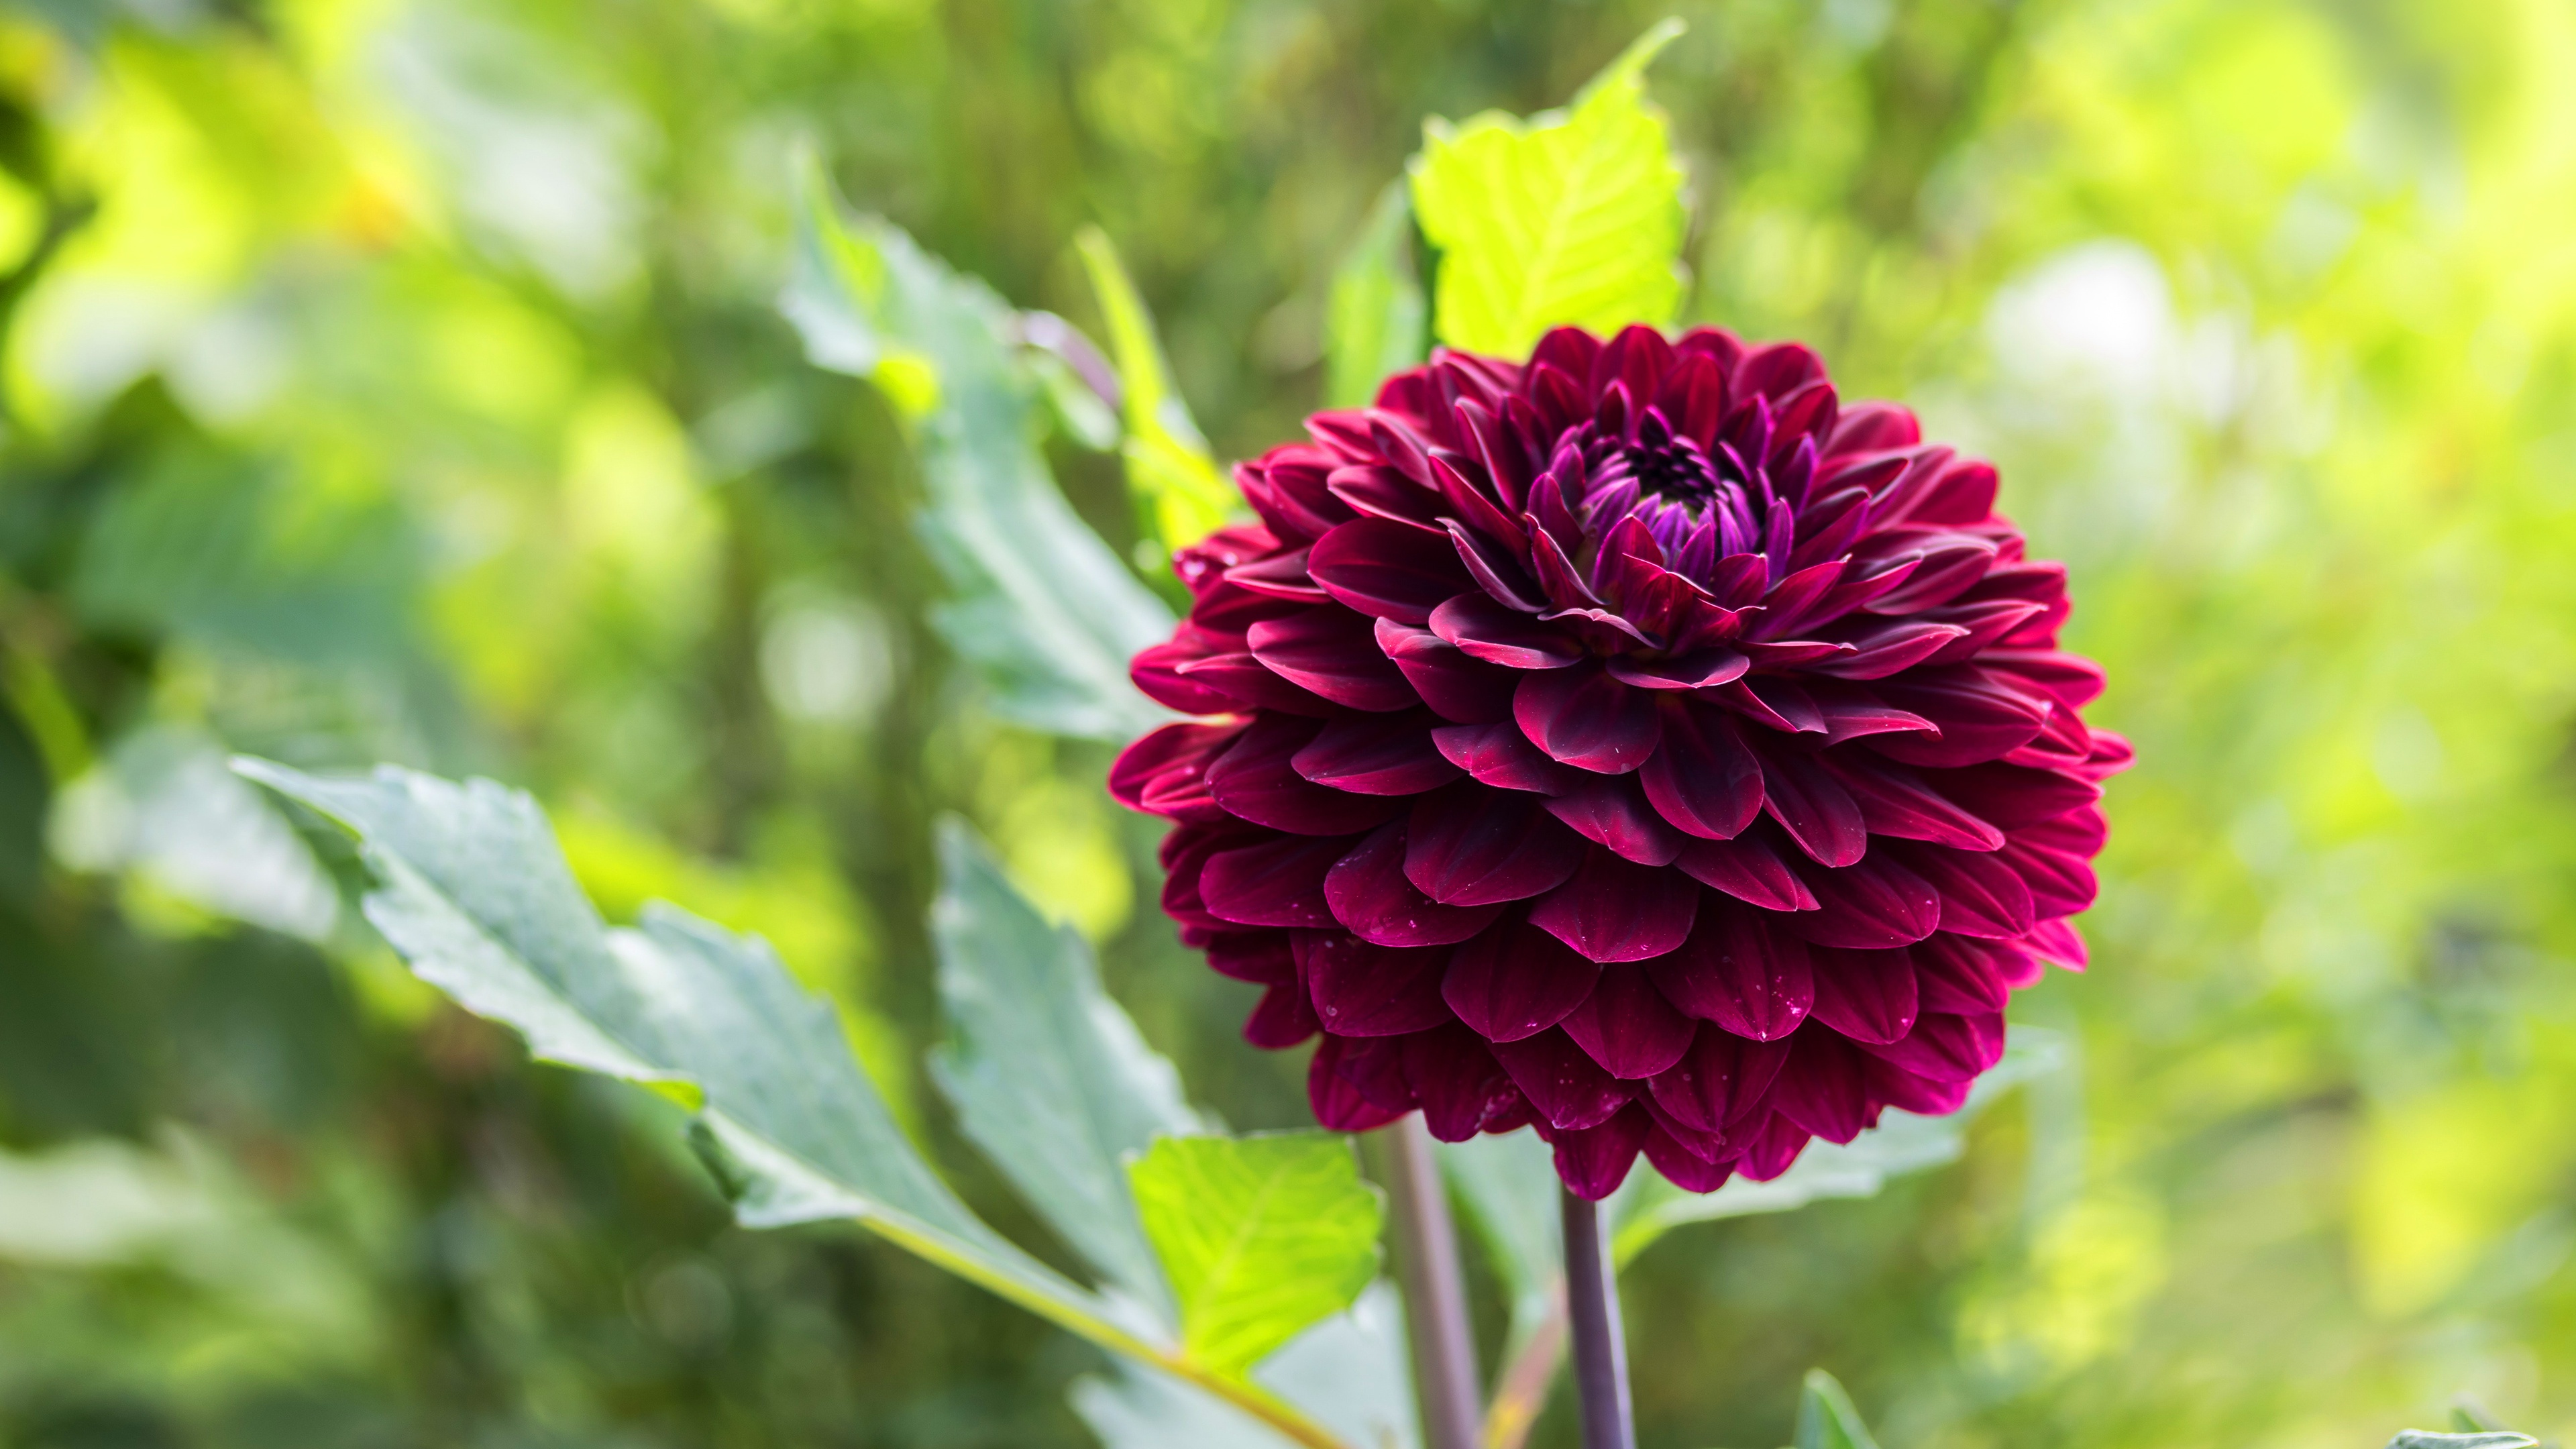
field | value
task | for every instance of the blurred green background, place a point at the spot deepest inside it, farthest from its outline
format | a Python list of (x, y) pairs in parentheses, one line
[(400, 379)]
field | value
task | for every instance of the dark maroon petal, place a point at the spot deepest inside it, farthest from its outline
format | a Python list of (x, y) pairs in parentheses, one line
[(1681, 1168), (1165, 773), (2060, 884), (1156, 671), (1489, 631), (1958, 975), (1280, 576), (1515, 981), (2009, 796), (1569, 1089), (1772, 702), (1456, 687), (1894, 801), (1854, 710), (1892, 1085), (1386, 569), (1246, 683), (1362, 989), (1871, 905), (1873, 427), (1778, 370), (1334, 653), (2077, 833), (1701, 777), (1627, 1026), (1611, 810), (1594, 1161), (1337, 1104), (1719, 1080), (1253, 781), (1369, 894), (1381, 491), (1741, 972), (1784, 609), (1456, 1079), (1276, 883), (1866, 995), (1703, 668), (1375, 754), (1501, 756), (1885, 649), (1471, 846), (1375, 1066), (1588, 719), (1617, 910), (2072, 681), (1264, 958), (1981, 895), (1467, 507), (1749, 868), (1823, 1087), (1807, 801), (1494, 570), (1947, 1048), (1281, 1019), (1771, 1147)]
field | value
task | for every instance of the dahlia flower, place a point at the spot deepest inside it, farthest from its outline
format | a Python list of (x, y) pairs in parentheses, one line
[(1634, 743)]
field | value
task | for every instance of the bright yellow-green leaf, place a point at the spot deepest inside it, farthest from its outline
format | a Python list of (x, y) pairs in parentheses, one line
[(1571, 216), (1169, 466), (1260, 1236)]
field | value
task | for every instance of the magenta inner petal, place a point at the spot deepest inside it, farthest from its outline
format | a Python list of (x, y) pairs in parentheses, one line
[(1617, 910), (1719, 1080), (1456, 687), (1375, 754), (1332, 652), (1587, 719), (1386, 569), (1500, 755), (1868, 996), (1368, 893), (1627, 1026), (1471, 846), (1872, 905), (1489, 631), (1741, 972), (1809, 803), (1610, 810), (1749, 868), (1701, 777)]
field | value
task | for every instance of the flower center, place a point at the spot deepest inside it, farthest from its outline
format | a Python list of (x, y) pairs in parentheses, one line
[(1677, 470)]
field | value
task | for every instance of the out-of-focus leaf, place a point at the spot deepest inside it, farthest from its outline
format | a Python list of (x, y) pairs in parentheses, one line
[(1260, 1236), (1169, 467), (1080, 412), (1039, 606), (1351, 1371), (26, 792), (1047, 1074), (1572, 216), (231, 554), (1508, 1184), (1826, 1418), (476, 896), (1902, 1143), (2489, 1439), (1373, 321)]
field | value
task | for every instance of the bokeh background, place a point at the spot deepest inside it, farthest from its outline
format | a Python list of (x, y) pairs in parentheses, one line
[(400, 379)]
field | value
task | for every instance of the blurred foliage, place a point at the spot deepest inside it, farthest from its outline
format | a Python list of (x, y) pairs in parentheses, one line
[(387, 379)]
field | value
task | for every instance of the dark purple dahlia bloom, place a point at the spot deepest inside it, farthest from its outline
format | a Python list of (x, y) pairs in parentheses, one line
[(1634, 743)]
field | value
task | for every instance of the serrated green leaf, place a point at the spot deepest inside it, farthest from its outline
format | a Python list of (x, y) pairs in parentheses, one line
[(1571, 217), (1038, 605), (1048, 1075), (1259, 1236), (1169, 467), (1826, 1418), (1373, 322)]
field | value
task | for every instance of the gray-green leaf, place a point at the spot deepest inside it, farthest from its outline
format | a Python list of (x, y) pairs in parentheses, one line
[(1826, 1418), (1260, 1236), (1040, 607), (1571, 217), (2487, 1439), (1373, 322), (1351, 1371), (1048, 1075)]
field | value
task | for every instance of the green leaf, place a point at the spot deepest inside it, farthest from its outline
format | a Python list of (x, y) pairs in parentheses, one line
[(1826, 1418), (1902, 1143), (1048, 1075), (1169, 467), (1352, 1370), (1260, 1236), (1571, 217), (1373, 322), (1039, 606), (2484, 1439), (1508, 1185)]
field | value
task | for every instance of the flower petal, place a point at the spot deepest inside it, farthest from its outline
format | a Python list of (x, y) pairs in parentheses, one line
[(1823, 1089), (1387, 570), (1501, 756), (1894, 801), (1334, 653), (1362, 989), (1456, 1079), (1741, 972), (1611, 810), (1593, 1161), (1456, 687), (1278, 882), (1809, 803), (1981, 894), (1701, 777), (1617, 910), (1252, 781), (1719, 1080), (1569, 1089), (1870, 905), (1375, 754), (1368, 893), (1588, 719), (1471, 846), (1627, 1026), (1866, 995), (1496, 634), (1750, 868), (1515, 981), (1337, 1104)]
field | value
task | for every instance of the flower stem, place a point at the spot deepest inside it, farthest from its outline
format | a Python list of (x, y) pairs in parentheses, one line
[(1600, 1348), (1435, 1295)]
